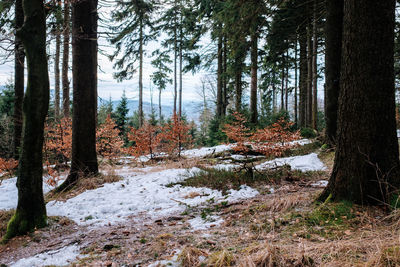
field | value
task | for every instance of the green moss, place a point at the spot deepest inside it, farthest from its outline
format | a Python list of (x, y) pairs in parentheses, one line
[(20, 225)]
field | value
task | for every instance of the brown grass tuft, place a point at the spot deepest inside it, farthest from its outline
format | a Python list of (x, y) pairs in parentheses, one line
[(191, 256), (221, 258)]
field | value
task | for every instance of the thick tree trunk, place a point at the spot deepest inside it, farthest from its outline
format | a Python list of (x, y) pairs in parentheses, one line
[(141, 117), (65, 60), (314, 69), (366, 168), (57, 75), (31, 209), (303, 81), (84, 68), (333, 31), (219, 77), (254, 69), (19, 62)]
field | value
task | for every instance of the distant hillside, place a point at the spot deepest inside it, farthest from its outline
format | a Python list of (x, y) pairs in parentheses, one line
[(190, 108)]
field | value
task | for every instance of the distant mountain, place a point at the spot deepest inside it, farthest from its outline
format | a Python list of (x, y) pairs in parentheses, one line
[(191, 109)]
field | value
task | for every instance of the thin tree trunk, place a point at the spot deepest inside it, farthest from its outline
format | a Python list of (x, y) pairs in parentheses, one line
[(366, 168), (219, 77), (65, 60), (141, 74), (273, 92), (19, 62), (334, 26), (159, 105), (254, 70), (314, 70), (309, 78), (287, 82), (283, 86), (84, 68), (225, 78), (180, 71), (175, 64), (303, 81), (57, 75), (295, 85), (238, 87), (31, 209)]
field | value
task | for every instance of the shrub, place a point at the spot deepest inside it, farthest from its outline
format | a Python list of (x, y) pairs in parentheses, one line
[(109, 142), (146, 140), (175, 136), (308, 133), (58, 141)]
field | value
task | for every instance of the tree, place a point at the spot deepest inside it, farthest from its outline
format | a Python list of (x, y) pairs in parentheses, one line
[(65, 59), (366, 168), (333, 54), (121, 113), (19, 62), (84, 68), (161, 76), (31, 210), (134, 30)]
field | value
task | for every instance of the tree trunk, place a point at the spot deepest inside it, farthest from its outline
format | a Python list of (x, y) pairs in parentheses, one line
[(238, 85), (219, 77), (65, 60), (333, 31), (84, 68), (314, 70), (31, 209), (225, 78), (283, 86), (19, 62), (159, 105), (287, 82), (253, 90), (274, 100), (175, 65), (366, 168), (180, 71), (303, 80), (141, 117), (309, 77), (295, 85), (57, 75)]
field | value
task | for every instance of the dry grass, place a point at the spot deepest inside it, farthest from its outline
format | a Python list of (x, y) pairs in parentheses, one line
[(222, 258), (191, 256)]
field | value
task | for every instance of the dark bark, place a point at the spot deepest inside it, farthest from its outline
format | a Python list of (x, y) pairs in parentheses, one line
[(141, 116), (57, 74), (333, 32), (65, 60), (19, 62), (180, 70), (283, 86), (159, 105), (287, 81), (295, 85), (314, 69), (238, 85), (309, 78), (84, 68), (254, 69), (219, 77), (366, 168), (225, 78), (303, 81), (31, 209), (175, 66)]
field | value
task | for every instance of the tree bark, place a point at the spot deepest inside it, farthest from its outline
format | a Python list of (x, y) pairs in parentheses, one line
[(283, 86), (141, 117), (57, 75), (238, 85), (219, 77), (180, 69), (159, 105), (314, 69), (295, 85), (333, 31), (254, 69), (84, 68), (366, 168), (303, 81), (31, 209), (287, 81), (309, 77), (19, 62), (225, 78), (65, 60)]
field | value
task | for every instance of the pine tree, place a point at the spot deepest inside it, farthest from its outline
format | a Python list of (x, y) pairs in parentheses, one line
[(121, 115), (134, 31)]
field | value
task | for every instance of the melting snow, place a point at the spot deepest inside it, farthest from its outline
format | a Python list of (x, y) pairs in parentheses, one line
[(59, 257), (309, 162), (199, 223)]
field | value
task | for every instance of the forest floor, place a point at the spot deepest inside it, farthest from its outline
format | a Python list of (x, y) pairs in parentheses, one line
[(203, 211)]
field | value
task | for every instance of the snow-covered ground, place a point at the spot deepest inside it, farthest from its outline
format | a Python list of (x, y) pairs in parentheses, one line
[(59, 257), (145, 194), (309, 162)]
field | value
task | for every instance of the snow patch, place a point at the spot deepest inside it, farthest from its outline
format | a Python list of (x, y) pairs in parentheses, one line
[(199, 223), (145, 193), (309, 162), (321, 183), (173, 262), (60, 257)]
